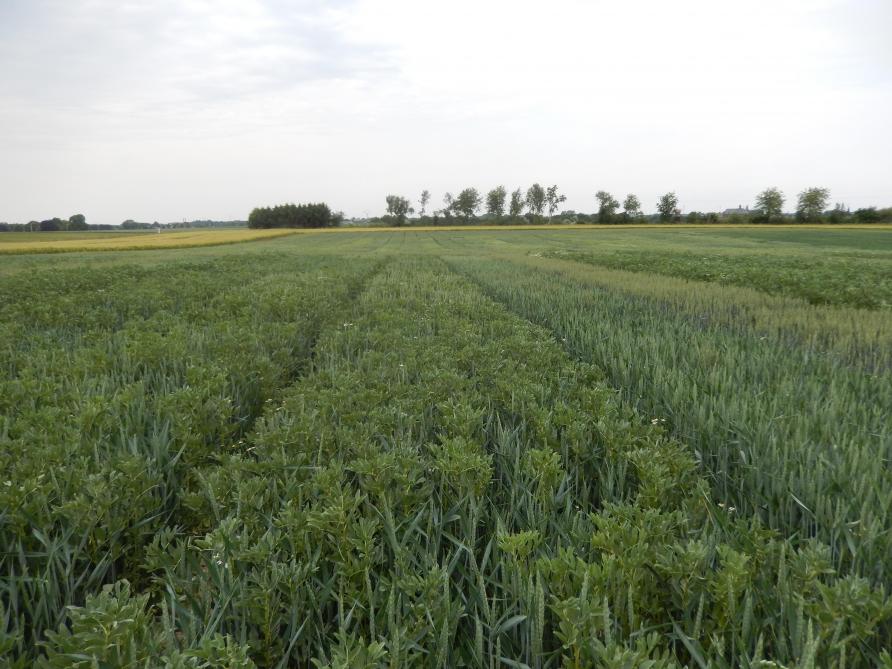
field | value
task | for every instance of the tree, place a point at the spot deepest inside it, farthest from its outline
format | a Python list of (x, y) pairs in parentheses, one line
[(867, 215), (667, 206), (770, 204), (515, 207), (52, 225), (812, 203), (839, 214), (448, 207), (77, 222), (282, 216), (553, 199), (467, 203), (423, 201), (535, 199), (495, 201), (607, 206), (632, 206), (398, 207)]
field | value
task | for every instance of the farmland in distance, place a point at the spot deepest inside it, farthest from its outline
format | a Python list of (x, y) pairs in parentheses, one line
[(524, 448)]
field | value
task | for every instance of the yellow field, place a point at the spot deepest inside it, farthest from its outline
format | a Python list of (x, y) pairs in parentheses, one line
[(61, 242)]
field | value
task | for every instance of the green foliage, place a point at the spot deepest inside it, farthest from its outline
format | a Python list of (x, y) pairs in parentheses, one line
[(398, 207), (495, 201), (124, 384), (811, 204), (632, 206), (515, 207), (467, 203), (858, 280), (607, 206), (770, 205), (53, 225), (872, 215), (710, 372), (116, 629), (423, 201), (535, 199), (553, 199), (304, 457), (292, 216), (77, 222), (667, 207)]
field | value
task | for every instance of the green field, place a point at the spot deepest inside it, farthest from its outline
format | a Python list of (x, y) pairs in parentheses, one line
[(520, 448)]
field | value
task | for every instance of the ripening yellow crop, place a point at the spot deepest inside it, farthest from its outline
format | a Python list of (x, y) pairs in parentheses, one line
[(13, 243)]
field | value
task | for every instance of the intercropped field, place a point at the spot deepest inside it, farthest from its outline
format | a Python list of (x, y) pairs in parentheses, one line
[(521, 448)]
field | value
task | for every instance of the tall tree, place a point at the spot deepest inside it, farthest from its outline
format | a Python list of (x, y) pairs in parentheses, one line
[(535, 200), (812, 203), (398, 207), (423, 201), (77, 222), (495, 201), (667, 206), (553, 199), (607, 206), (467, 203), (632, 205), (770, 204), (515, 207)]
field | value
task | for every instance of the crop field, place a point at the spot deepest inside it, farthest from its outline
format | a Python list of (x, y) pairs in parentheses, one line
[(532, 448), (67, 242)]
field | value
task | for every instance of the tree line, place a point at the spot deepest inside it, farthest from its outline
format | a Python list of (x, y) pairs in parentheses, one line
[(78, 222), (539, 204), (56, 224), (317, 215), (537, 201), (536, 204)]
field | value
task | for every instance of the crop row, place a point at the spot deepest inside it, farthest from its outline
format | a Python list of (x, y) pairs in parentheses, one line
[(858, 280), (445, 486), (114, 385), (783, 430)]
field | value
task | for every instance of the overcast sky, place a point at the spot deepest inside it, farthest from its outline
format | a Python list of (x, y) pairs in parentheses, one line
[(179, 109)]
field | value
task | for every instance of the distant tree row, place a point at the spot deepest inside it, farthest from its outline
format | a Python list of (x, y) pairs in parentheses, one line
[(463, 208), (533, 205), (130, 224), (75, 222), (79, 222), (294, 216)]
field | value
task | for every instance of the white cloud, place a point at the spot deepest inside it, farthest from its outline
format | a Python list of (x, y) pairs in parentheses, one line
[(169, 109)]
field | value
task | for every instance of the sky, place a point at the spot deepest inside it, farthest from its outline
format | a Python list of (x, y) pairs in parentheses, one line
[(165, 110)]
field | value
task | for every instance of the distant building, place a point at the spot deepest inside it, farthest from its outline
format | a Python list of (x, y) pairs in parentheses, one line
[(740, 211)]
